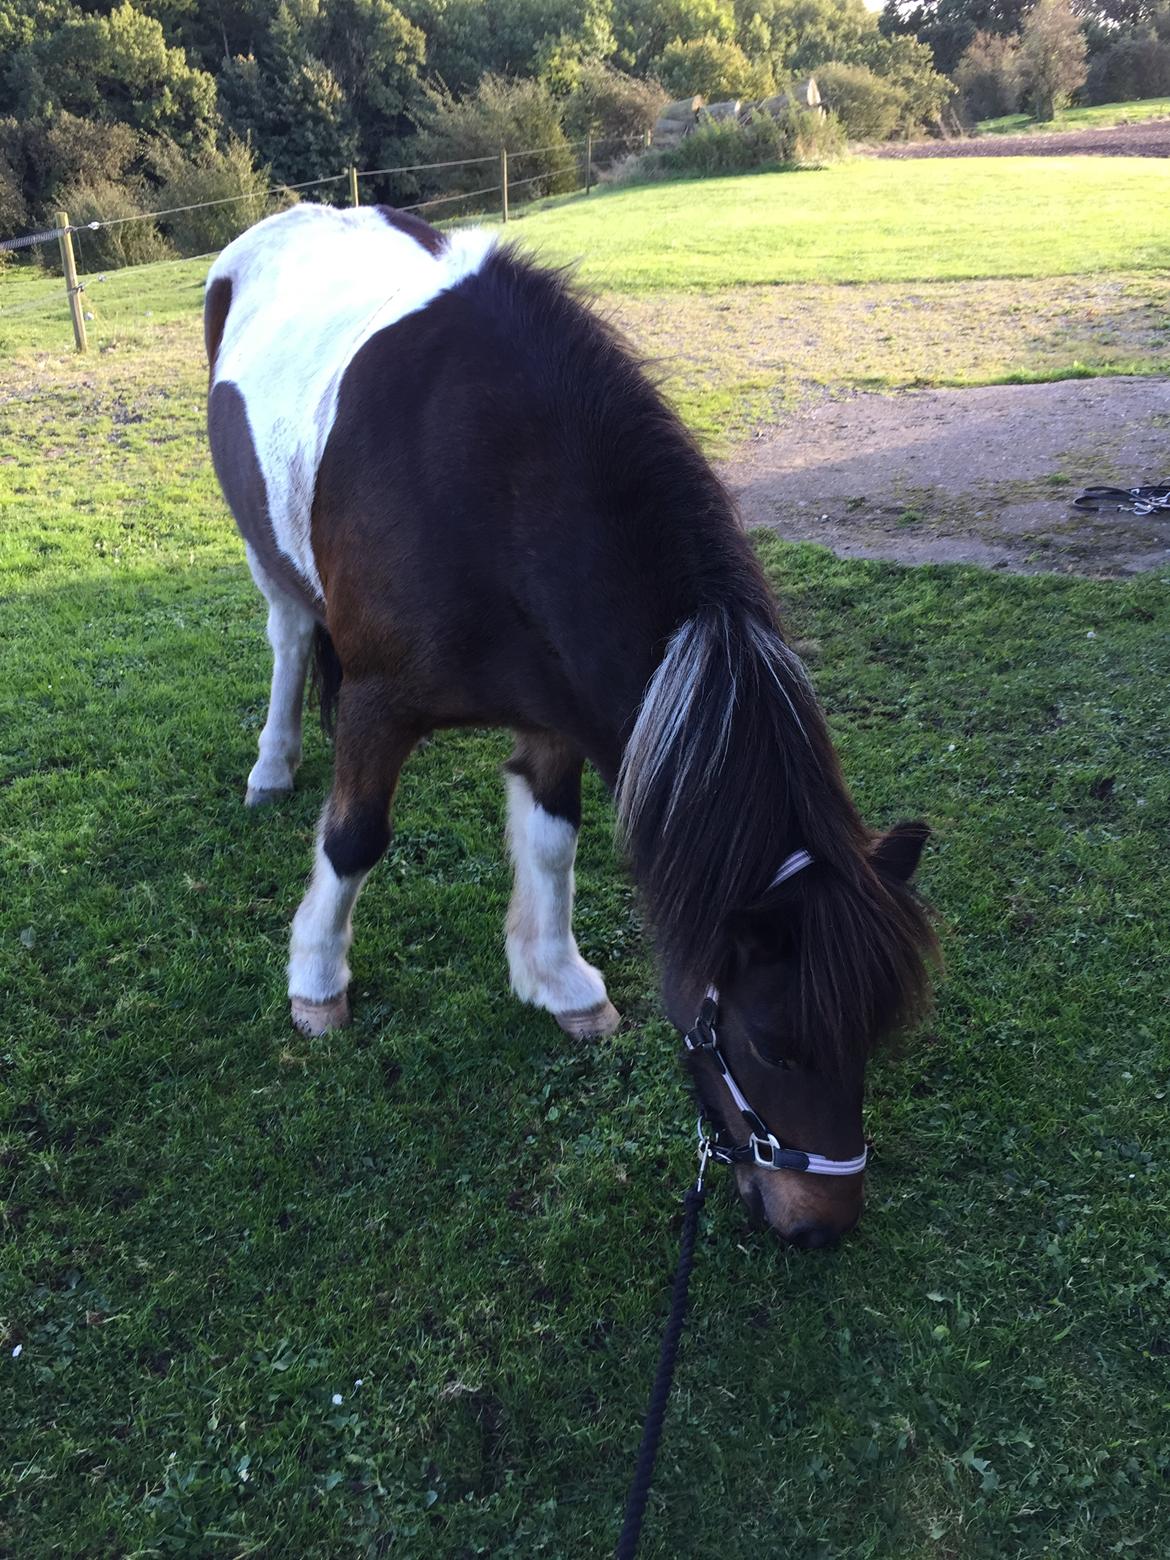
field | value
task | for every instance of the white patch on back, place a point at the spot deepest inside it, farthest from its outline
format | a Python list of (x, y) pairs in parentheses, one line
[(309, 287)]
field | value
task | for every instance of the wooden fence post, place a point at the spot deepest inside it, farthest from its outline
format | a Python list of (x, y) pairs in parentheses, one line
[(504, 182), (72, 287), (353, 189), (588, 161)]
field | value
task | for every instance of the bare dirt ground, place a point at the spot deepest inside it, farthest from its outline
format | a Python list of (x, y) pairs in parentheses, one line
[(981, 476), (1143, 140)]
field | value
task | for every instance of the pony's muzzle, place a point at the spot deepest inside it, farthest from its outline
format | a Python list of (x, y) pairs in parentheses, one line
[(808, 1211)]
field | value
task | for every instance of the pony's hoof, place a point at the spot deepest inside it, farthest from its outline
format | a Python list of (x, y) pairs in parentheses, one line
[(257, 797), (591, 1024), (318, 1018)]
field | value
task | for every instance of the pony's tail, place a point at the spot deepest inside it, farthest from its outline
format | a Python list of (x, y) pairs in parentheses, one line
[(326, 676)]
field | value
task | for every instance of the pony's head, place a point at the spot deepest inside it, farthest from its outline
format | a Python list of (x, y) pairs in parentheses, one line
[(822, 968)]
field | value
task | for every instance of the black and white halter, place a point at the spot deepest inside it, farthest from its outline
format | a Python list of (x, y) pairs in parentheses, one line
[(761, 1148)]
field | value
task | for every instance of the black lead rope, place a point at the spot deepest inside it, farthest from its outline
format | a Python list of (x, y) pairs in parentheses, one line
[(627, 1543), (1116, 500)]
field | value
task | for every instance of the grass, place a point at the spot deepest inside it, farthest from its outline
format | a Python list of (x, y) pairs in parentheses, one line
[(214, 1227), (1098, 117), (737, 354), (869, 220)]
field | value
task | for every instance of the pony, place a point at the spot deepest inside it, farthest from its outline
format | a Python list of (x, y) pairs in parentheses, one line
[(464, 497)]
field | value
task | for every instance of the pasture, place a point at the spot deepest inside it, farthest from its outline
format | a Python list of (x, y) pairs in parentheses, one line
[(399, 1291), (1094, 116)]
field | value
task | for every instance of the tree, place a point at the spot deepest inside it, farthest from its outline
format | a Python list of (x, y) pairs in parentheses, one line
[(521, 115), (823, 30), (117, 67), (289, 105), (988, 76), (1052, 57), (948, 26), (467, 39), (644, 28), (375, 55), (908, 65), (714, 67), (617, 108), (1134, 65)]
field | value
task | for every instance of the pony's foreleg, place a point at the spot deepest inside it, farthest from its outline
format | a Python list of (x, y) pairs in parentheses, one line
[(544, 815), (290, 633), (353, 834)]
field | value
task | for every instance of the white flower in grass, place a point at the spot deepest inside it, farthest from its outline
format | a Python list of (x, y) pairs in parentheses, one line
[(18, 1351), (338, 1400)]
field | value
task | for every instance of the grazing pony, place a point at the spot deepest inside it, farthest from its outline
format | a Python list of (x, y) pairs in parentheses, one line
[(457, 483)]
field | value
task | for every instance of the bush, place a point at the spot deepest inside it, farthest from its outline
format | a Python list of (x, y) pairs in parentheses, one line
[(868, 108), (619, 109), (229, 175), (729, 146), (521, 115), (714, 67), (988, 76), (126, 242)]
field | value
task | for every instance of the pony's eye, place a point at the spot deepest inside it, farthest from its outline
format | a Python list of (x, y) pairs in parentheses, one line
[(770, 1057)]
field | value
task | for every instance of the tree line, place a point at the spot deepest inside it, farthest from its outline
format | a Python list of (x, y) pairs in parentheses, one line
[(114, 108)]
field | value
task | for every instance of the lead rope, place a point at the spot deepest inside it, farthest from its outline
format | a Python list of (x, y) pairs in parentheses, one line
[(627, 1543)]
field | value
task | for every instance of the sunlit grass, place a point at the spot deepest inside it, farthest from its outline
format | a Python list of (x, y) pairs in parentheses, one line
[(868, 220), (1097, 117)]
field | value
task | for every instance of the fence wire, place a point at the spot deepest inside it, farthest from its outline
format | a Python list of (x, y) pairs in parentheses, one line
[(96, 302)]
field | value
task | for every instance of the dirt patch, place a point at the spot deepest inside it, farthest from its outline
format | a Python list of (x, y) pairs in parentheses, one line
[(738, 358), (967, 476), (1145, 140)]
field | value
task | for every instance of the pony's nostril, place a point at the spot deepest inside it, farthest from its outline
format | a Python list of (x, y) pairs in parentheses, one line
[(813, 1237)]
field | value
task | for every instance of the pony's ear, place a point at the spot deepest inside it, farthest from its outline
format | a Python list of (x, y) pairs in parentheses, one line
[(896, 854)]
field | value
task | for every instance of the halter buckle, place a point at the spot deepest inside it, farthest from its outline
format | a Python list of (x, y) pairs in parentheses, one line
[(777, 1157), (701, 1036)]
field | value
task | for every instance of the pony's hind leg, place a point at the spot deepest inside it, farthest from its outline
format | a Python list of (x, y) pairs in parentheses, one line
[(353, 834), (544, 815), (290, 633)]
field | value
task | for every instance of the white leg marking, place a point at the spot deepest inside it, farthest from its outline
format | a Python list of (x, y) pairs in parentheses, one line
[(322, 931), (543, 960), (290, 632)]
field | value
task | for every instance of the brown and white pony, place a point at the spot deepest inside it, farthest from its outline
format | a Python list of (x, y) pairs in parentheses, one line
[(458, 482)]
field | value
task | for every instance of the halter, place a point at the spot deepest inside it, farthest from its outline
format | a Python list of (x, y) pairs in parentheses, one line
[(762, 1148)]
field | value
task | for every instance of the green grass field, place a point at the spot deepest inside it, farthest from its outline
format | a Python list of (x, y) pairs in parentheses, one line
[(868, 221), (214, 1229), (1098, 117)]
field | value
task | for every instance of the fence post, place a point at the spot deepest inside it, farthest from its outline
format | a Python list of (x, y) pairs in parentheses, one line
[(649, 139), (588, 161), (504, 182), (353, 189), (72, 287)]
